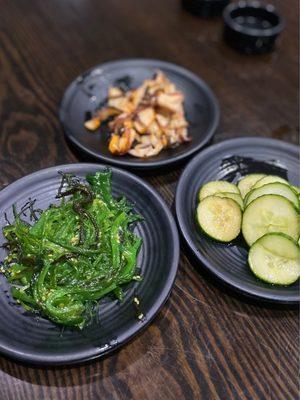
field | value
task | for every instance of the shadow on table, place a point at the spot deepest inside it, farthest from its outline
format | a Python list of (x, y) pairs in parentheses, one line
[(229, 291), (154, 172), (84, 373)]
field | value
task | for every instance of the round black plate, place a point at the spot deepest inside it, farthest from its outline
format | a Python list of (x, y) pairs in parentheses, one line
[(38, 341), (230, 160), (87, 92)]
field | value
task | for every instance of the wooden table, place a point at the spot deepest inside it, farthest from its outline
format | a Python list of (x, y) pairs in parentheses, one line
[(207, 342)]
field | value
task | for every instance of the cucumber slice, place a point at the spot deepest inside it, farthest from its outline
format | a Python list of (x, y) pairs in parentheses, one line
[(220, 218), (275, 258), (211, 188), (296, 189), (247, 182), (269, 213), (273, 188), (269, 179), (234, 196)]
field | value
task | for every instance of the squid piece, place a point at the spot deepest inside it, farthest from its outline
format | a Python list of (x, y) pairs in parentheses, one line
[(92, 124), (121, 144), (121, 103), (145, 151), (115, 92), (172, 102), (162, 120), (137, 95), (102, 115), (146, 119)]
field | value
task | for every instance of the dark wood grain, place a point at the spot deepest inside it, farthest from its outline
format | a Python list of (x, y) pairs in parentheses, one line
[(207, 343)]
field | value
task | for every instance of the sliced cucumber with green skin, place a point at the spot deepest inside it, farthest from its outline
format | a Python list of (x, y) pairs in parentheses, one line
[(275, 258), (245, 184), (296, 189), (220, 218), (269, 179), (273, 188), (213, 187), (234, 196), (269, 213)]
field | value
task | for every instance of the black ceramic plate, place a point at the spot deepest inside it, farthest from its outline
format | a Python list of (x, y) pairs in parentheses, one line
[(230, 160), (87, 92), (36, 340)]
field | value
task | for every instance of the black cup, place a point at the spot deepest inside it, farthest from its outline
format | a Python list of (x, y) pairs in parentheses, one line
[(205, 8), (252, 27)]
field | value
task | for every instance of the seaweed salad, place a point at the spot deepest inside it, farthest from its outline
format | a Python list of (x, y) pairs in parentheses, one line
[(74, 253)]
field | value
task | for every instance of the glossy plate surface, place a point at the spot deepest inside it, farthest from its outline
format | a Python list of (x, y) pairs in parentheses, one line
[(231, 160), (34, 339), (89, 91)]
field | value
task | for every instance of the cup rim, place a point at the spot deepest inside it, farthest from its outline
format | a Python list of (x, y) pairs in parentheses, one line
[(229, 21)]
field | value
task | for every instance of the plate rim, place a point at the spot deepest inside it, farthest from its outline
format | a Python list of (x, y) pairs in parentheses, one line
[(149, 164), (252, 293), (158, 303)]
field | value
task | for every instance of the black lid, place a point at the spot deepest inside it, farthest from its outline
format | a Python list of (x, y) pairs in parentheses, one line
[(205, 8), (252, 27)]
